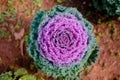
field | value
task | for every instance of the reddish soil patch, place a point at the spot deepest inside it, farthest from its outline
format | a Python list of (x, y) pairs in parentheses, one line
[(7, 49), (13, 54), (107, 67)]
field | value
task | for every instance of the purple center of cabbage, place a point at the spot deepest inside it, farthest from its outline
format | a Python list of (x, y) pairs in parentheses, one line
[(63, 40)]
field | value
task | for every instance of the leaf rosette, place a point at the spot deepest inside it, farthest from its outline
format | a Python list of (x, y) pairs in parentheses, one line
[(62, 43)]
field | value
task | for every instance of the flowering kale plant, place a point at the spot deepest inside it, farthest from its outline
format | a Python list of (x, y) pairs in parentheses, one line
[(111, 6), (61, 43)]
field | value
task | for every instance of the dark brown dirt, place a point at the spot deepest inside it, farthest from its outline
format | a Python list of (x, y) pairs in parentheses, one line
[(13, 54)]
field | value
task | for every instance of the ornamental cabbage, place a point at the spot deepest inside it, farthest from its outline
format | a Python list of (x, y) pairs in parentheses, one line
[(62, 43), (111, 6)]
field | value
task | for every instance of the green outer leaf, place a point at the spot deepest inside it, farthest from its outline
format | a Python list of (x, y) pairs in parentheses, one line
[(40, 78), (27, 77), (6, 76), (59, 1), (20, 72), (67, 73)]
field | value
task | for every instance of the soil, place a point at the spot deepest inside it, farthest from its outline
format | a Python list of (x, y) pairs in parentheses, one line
[(13, 54)]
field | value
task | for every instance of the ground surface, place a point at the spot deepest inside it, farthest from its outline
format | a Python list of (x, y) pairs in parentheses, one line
[(15, 20)]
